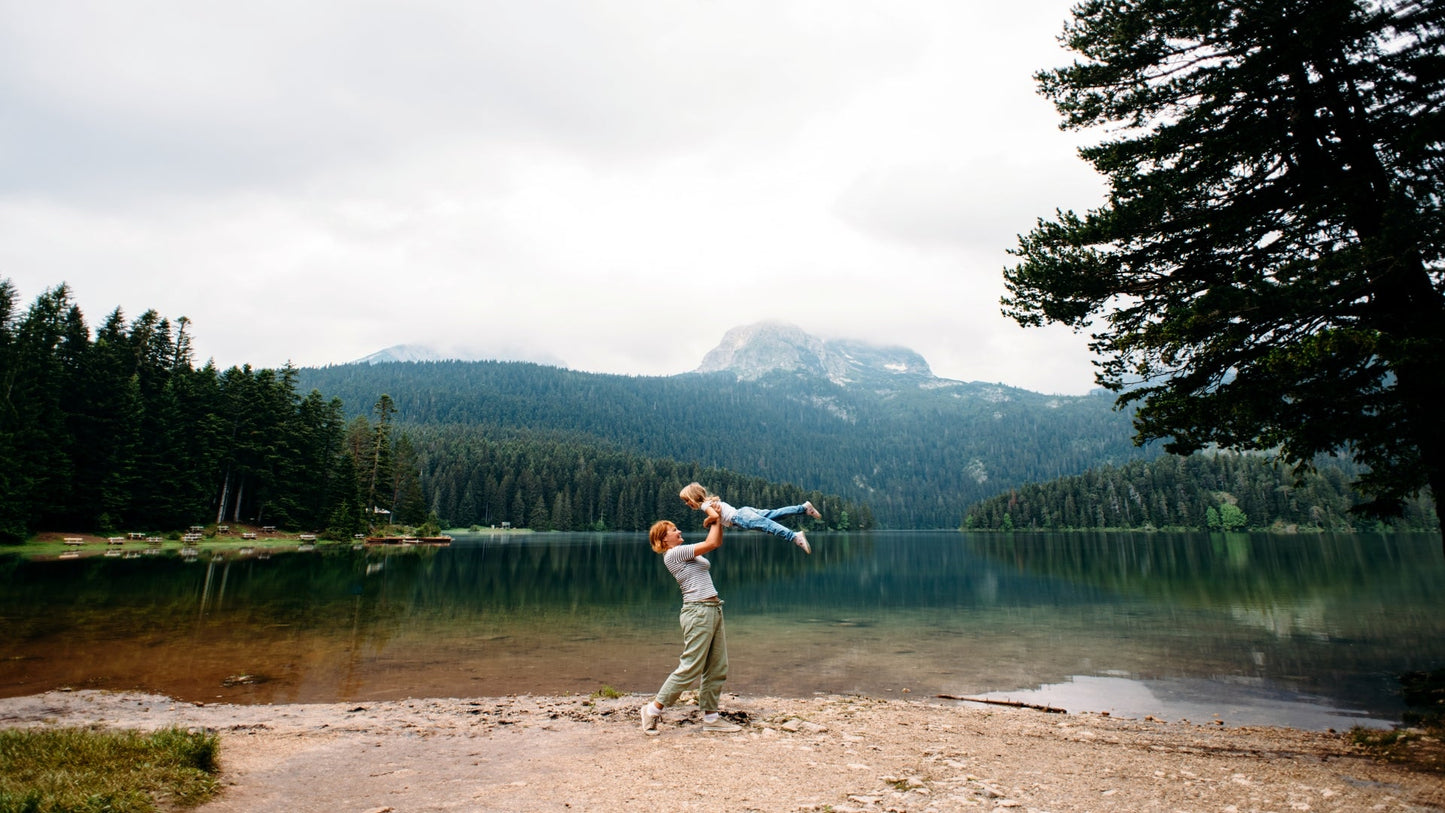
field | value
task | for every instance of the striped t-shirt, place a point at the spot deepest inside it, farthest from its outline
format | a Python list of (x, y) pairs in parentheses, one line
[(691, 573)]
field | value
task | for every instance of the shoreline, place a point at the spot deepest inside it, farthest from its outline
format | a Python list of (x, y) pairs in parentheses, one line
[(52, 544), (829, 752)]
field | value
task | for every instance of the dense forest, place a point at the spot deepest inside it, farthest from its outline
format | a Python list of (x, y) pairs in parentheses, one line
[(1205, 491), (492, 476), (122, 431), (917, 453), (117, 429)]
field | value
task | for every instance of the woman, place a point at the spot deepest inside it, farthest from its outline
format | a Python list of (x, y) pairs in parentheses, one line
[(704, 642)]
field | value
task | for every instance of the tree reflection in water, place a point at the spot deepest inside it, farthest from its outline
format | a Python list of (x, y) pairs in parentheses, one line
[(1329, 617)]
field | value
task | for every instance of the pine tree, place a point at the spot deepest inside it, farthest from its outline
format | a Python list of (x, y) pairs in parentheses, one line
[(1267, 270)]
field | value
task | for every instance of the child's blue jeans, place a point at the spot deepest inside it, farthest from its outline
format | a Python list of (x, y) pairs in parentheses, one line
[(762, 519)]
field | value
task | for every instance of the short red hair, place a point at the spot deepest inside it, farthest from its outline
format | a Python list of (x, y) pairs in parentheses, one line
[(660, 529)]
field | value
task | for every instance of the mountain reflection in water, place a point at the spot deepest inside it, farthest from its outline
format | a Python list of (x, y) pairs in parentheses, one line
[(1297, 630)]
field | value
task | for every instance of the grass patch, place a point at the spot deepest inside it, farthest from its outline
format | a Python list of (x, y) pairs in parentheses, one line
[(607, 692), (1415, 749), (1421, 746), (94, 771)]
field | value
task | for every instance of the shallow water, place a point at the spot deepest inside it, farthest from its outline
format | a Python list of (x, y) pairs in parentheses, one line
[(1306, 631)]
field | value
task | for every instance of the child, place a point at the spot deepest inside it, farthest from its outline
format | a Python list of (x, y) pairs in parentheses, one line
[(754, 519)]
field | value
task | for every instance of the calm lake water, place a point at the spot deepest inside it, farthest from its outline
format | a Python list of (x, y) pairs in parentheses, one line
[(1305, 631)]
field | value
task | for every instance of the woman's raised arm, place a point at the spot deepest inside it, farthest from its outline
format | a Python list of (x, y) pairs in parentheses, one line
[(713, 542)]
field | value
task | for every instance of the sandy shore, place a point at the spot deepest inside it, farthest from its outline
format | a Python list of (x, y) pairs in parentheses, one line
[(835, 753)]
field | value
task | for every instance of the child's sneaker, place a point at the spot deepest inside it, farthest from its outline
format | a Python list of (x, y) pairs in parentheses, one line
[(802, 542), (812, 512), (649, 719)]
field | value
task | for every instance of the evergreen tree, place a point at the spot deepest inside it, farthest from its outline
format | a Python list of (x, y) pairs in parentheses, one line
[(1267, 270), (45, 357), (380, 489), (348, 516), (15, 505), (406, 489)]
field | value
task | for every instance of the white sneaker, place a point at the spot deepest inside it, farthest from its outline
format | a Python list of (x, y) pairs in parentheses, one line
[(812, 512), (649, 719), (802, 542), (720, 726)]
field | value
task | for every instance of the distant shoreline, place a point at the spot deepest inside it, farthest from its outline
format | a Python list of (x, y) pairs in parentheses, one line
[(51, 544), (47, 544)]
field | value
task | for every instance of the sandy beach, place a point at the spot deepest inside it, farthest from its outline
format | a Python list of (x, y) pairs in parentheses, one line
[(826, 753)]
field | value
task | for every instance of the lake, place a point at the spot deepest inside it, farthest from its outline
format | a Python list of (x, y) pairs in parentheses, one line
[(1307, 631)]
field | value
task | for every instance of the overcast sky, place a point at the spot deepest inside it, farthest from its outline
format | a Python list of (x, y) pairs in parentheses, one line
[(605, 186)]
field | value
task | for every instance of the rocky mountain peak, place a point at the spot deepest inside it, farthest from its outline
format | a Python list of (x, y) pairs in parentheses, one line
[(401, 352), (753, 351)]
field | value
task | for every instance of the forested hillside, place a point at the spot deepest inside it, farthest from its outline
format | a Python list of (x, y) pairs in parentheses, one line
[(916, 454), (546, 481), (116, 430), (1204, 491)]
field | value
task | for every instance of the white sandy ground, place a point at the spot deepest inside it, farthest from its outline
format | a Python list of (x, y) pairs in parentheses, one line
[(828, 753)]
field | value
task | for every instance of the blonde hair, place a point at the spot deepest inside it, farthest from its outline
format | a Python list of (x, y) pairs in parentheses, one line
[(659, 531), (694, 494)]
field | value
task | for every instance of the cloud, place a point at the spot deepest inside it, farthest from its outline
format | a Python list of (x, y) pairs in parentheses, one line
[(185, 96), (612, 185)]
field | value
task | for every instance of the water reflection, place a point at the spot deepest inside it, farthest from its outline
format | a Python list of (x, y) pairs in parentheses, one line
[(1234, 702), (1326, 622)]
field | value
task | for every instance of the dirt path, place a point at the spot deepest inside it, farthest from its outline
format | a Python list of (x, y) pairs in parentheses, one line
[(828, 753)]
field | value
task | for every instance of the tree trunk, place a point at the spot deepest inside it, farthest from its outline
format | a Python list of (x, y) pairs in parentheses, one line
[(1437, 491), (225, 494), (240, 493)]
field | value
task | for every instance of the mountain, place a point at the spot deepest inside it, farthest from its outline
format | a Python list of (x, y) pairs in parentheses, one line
[(870, 424), (754, 351), (402, 352), (421, 352)]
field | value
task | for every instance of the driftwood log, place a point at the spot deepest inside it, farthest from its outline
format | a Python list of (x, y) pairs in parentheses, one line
[(1013, 703)]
